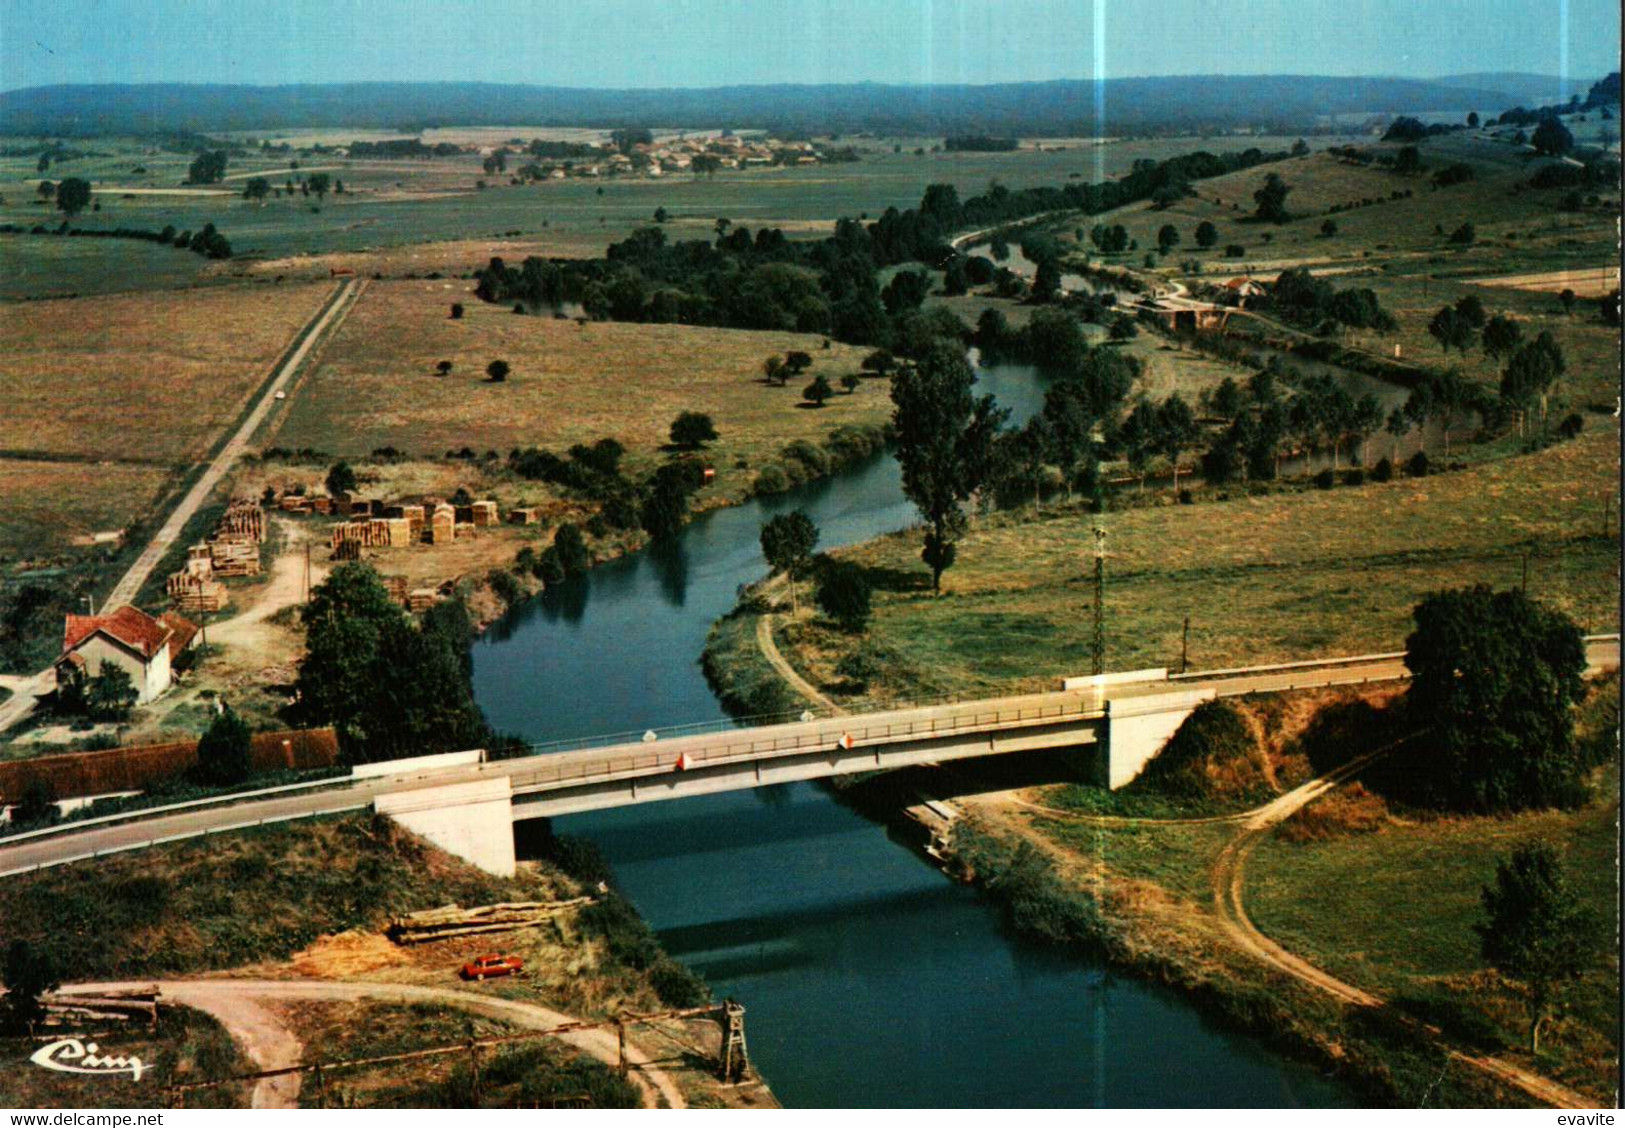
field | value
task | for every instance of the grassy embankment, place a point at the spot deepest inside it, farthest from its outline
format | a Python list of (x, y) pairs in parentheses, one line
[(1277, 577), (1393, 912)]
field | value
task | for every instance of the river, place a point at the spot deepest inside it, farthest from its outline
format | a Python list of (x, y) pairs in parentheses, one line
[(869, 978)]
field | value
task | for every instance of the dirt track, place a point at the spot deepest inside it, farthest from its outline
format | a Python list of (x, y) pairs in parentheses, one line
[(269, 1043)]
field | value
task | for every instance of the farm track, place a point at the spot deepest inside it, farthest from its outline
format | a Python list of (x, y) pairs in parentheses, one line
[(273, 1047)]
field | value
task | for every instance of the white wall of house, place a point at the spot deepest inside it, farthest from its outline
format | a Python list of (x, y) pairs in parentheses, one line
[(150, 678)]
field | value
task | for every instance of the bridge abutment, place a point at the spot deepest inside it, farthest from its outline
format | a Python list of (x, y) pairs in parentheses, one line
[(471, 820), (1138, 727)]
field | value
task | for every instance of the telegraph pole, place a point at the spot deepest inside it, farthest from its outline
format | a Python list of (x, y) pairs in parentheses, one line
[(1185, 645), (1100, 601)]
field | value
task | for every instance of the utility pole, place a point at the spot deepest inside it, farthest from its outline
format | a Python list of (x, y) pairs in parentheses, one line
[(1185, 644), (1100, 601)]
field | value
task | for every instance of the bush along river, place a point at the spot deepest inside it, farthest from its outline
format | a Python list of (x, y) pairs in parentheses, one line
[(870, 978)]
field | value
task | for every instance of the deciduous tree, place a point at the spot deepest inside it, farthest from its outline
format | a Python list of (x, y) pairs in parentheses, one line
[(944, 444)]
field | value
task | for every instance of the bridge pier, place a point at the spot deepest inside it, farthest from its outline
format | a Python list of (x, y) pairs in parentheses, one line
[(471, 820), (1138, 727)]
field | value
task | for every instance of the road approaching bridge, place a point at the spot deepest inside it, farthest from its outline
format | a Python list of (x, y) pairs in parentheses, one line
[(467, 804)]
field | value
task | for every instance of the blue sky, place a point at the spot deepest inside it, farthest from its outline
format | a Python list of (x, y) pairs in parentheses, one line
[(637, 43)]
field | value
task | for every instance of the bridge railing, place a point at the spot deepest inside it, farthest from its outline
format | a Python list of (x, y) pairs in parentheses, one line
[(808, 736)]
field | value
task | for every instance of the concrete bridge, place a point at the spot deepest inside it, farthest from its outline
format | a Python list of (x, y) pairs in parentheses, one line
[(1110, 726)]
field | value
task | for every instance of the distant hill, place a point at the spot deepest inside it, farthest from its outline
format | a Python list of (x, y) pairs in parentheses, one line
[(1523, 89), (1140, 105)]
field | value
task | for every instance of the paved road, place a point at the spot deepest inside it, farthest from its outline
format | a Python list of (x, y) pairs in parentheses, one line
[(327, 317), (539, 773)]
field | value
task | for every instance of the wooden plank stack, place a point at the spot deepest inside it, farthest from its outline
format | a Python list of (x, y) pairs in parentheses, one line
[(453, 920), (484, 513)]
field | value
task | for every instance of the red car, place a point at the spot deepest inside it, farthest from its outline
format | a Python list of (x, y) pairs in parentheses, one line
[(489, 967)]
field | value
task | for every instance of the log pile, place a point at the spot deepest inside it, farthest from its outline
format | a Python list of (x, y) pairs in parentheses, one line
[(453, 920)]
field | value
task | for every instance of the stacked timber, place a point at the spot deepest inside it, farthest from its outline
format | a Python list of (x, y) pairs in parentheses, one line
[(235, 554), (323, 505), (194, 590), (243, 517), (195, 595), (376, 532), (421, 599), (527, 516), (396, 586), (298, 503), (442, 526), (453, 920), (484, 513), (347, 550)]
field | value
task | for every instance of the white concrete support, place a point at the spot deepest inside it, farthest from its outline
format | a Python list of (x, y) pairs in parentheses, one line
[(1138, 727), (472, 820)]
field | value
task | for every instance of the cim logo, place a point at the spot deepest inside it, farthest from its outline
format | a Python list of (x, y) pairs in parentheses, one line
[(70, 1055)]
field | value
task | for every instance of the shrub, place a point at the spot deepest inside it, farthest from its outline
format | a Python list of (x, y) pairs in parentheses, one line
[(572, 549), (1212, 754), (225, 754), (505, 586), (456, 310), (1383, 471), (1571, 426), (1354, 477), (814, 458), (1325, 480), (844, 593), (1417, 465)]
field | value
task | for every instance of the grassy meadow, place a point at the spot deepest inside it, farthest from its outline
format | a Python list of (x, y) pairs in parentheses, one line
[(151, 377), (1393, 911), (1276, 577), (376, 384)]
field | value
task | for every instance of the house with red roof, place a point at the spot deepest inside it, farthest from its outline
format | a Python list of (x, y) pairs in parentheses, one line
[(129, 638)]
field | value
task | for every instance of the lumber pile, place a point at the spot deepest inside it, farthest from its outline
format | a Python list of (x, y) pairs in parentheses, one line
[(526, 516), (453, 920), (194, 590), (442, 525), (243, 517), (484, 513), (196, 595), (396, 586), (235, 554), (375, 532), (421, 599)]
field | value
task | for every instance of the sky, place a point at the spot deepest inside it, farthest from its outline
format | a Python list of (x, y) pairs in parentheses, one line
[(687, 43)]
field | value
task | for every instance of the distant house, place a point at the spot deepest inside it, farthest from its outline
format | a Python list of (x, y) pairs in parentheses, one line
[(143, 646), (1245, 290)]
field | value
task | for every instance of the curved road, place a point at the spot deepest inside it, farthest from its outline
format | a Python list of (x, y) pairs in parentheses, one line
[(234, 1003)]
